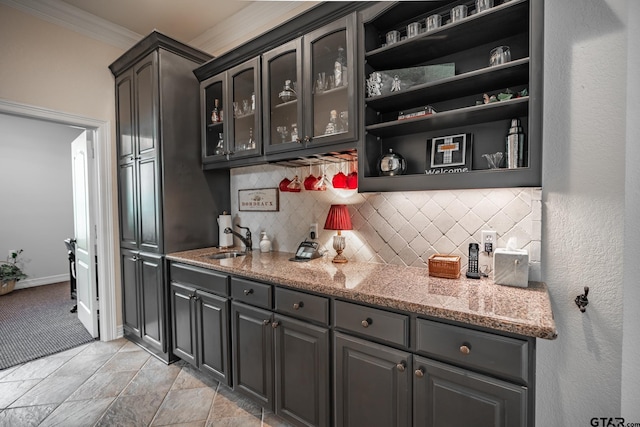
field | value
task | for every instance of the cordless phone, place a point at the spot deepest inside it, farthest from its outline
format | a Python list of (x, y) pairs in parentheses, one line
[(472, 271)]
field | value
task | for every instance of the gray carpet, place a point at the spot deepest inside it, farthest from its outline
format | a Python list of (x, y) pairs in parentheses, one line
[(36, 322)]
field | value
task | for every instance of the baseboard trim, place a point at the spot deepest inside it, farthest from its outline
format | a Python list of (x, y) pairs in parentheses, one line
[(39, 281)]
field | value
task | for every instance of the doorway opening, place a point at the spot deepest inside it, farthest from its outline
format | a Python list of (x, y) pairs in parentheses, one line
[(102, 199)]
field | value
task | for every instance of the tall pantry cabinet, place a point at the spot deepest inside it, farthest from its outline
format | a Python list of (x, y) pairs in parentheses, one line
[(166, 202)]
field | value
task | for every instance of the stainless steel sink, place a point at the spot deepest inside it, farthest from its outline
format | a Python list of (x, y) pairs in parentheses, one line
[(225, 255)]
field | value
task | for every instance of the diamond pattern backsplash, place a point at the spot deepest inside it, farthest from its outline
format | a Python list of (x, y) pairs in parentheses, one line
[(402, 228)]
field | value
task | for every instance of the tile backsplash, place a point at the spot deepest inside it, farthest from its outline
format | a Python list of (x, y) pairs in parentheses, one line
[(402, 228)]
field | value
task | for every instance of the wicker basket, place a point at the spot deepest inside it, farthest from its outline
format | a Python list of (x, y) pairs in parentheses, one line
[(6, 287), (446, 266)]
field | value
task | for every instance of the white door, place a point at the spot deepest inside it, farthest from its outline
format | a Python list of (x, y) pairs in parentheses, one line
[(86, 281)]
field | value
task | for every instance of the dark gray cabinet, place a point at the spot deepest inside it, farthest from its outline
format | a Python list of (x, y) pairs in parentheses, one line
[(138, 156), (200, 328), (448, 376), (381, 367), (166, 202), (448, 396), (252, 350), (233, 130), (143, 299), (372, 384), (304, 121), (282, 363)]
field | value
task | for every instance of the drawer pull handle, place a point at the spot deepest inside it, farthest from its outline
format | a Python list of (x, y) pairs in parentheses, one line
[(465, 349), (265, 322), (366, 322), (275, 324), (298, 305), (248, 291), (419, 372), (401, 366)]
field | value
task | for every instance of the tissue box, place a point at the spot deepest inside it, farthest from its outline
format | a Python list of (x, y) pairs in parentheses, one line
[(511, 267)]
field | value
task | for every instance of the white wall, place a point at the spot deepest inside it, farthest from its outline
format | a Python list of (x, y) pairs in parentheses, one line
[(37, 199), (579, 374)]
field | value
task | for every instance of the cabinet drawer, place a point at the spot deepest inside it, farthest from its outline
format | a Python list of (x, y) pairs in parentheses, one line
[(372, 322), (200, 277), (482, 351), (303, 305), (254, 293)]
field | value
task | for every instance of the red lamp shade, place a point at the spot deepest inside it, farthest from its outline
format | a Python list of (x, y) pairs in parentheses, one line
[(338, 218)]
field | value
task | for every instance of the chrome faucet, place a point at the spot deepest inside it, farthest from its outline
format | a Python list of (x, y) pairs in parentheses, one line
[(246, 239)]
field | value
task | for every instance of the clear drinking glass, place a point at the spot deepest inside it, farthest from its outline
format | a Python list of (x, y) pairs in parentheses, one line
[(413, 29), (433, 22), (458, 13), (499, 55), (482, 5)]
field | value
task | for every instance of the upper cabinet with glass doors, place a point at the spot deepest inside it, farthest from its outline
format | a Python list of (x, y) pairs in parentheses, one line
[(309, 90), (231, 109)]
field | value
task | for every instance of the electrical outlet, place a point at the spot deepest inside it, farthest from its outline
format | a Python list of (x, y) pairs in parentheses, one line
[(313, 230), (489, 241)]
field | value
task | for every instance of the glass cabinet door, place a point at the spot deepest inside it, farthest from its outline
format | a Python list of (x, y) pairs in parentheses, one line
[(214, 147), (244, 109), (329, 86), (282, 117)]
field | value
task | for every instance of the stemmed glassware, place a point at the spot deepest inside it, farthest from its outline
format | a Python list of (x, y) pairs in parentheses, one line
[(322, 183)]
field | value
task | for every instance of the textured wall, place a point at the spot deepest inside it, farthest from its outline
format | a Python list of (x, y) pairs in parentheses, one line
[(398, 228), (583, 210), (631, 322)]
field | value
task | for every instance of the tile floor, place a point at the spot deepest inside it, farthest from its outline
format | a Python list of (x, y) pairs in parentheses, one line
[(116, 383)]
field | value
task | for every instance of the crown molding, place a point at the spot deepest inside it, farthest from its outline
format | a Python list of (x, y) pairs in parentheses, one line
[(74, 19), (256, 18)]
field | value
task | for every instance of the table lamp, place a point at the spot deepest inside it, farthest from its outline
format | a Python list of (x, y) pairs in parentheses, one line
[(338, 219)]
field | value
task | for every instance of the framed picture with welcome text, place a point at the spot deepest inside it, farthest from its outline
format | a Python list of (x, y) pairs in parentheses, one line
[(449, 154)]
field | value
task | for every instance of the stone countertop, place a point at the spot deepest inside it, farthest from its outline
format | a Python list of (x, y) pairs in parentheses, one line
[(523, 311)]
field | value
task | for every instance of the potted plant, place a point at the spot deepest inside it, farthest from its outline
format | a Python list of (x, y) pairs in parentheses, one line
[(10, 273)]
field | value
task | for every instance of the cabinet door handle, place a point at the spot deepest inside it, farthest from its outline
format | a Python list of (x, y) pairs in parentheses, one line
[(465, 348), (298, 140), (265, 322), (248, 291), (307, 139), (298, 305), (401, 366), (135, 258), (419, 372), (275, 324), (366, 322)]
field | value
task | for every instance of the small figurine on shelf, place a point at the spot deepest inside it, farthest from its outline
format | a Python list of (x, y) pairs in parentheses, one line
[(332, 126), (395, 85), (220, 147), (374, 84), (216, 115), (252, 143)]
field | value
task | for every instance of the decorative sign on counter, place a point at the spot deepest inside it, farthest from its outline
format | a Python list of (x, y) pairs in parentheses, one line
[(449, 154), (259, 200)]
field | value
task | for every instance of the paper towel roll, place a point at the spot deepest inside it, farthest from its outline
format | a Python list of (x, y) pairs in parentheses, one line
[(225, 240)]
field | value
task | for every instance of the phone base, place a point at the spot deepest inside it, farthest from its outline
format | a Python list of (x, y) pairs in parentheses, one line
[(473, 275)]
